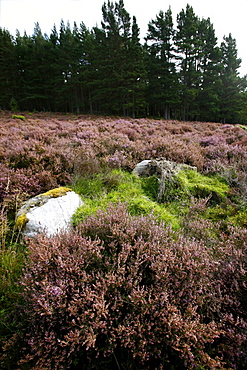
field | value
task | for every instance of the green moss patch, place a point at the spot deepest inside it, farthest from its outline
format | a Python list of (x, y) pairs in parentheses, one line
[(140, 194), (193, 183), (244, 127), (16, 116), (240, 218), (103, 190)]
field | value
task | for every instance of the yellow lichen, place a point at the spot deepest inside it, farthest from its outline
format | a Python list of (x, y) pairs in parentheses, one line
[(21, 221), (57, 192)]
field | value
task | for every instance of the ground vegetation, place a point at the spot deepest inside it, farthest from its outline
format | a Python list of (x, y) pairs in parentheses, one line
[(135, 283)]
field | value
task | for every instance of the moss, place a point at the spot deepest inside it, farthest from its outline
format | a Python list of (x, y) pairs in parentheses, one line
[(140, 194), (122, 187), (21, 221), (240, 219), (144, 206), (221, 212), (201, 186), (57, 192), (90, 207), (89, 187), (150, 186), (16, 116), (244, 127)]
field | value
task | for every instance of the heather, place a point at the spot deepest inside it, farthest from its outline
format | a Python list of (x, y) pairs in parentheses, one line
[(136, 283)]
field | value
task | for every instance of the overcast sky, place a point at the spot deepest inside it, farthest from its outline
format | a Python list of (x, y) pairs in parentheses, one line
[(226, 16)]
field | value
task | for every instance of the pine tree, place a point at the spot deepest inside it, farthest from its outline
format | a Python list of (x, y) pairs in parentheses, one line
[(231, 82), (67, 68), (162, 77), (117, 23), (178, 73), (8, 68), (32, 55), (117, 68), (135, 75), (24, 55), (187, 43), (38, 70), (85, 41), (209, 67), (54, 80), (243, 100)]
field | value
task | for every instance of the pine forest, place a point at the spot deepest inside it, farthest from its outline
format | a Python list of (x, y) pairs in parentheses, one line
[(179, 72)]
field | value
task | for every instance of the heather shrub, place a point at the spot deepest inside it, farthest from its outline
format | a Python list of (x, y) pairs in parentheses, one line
[(85, 165), (226, 160), (124, 292), (207, 222)]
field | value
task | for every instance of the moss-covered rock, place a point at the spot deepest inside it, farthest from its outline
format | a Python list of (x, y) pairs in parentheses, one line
[(173, 180)]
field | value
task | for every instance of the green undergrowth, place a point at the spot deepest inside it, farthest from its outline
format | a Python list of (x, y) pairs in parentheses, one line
[(140, 194), (11, 265), (20, 117), (193, 183), (229, 213), (119, 187), (244, 127)]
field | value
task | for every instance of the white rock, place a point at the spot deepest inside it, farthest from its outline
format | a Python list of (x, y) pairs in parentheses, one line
[(53, 216)]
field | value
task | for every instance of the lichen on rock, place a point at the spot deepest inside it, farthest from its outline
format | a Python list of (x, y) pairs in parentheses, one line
[(57, 192), (21, 221)]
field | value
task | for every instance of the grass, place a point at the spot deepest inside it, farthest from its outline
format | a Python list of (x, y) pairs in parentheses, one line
[(140, 194), (11, 266), (120, 186)]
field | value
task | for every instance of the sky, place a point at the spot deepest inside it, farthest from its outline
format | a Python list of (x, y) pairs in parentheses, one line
[(226, 16)]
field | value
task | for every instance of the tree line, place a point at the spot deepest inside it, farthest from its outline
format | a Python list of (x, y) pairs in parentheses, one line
[(179, 72)]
